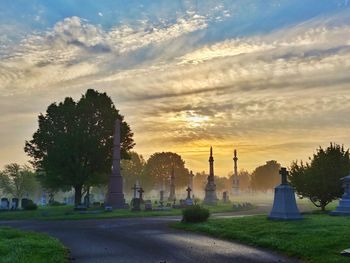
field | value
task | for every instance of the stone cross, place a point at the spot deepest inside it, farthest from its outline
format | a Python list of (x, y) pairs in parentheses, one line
[(284, 174), (188, 192), (135, 188)]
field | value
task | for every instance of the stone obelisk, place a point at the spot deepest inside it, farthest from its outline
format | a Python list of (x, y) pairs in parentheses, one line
[(235, 188), (115, 196), (172, 186), (210, 189)]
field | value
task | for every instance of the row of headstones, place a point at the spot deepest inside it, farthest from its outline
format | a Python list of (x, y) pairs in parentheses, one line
[(6, 205), (137, 201)]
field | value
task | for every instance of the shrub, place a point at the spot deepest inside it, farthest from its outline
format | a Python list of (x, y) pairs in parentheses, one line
[(56, 203), (194, 214), (31, 206)]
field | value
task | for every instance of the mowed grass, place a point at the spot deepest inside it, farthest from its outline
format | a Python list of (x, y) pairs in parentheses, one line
[(68, 213), (319, 238), (20, 246)]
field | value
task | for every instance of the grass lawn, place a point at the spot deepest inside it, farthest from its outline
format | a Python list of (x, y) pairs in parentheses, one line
[(18, 246), (318, 238), (67, 213)]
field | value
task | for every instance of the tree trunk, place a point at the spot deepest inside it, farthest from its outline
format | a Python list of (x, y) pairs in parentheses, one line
[(77, 194)]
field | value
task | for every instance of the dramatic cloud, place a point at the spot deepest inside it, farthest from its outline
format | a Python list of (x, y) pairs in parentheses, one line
[(192, 81)]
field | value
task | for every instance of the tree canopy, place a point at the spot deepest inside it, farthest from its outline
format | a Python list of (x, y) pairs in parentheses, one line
[(18, 181), (73, 144), (266, 177), (319, 180), (131, 169), (158, 169)]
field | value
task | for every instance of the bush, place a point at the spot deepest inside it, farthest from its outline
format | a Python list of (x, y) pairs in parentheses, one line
[(56, 203), (31, 206), (194, 214)]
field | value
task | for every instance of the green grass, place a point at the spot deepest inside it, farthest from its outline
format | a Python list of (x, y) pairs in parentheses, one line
[(318, 238), (67, 213), (18, 246)]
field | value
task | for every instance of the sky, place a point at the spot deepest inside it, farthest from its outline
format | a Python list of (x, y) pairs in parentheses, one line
[(269, 78)]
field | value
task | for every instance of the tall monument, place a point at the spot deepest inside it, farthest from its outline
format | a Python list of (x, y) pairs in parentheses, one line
[(210, 189), (115, 196), (190, 183), (235, 188), (172, 185)]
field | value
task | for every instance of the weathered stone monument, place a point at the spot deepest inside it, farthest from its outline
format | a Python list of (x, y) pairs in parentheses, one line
[(210, 189), (235, 188), (5, 204), (172, 186), (284, 205), (343, 209), (135, 202), (115, 196), (161, 198)]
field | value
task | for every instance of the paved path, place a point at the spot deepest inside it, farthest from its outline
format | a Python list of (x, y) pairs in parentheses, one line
[(145, 240)]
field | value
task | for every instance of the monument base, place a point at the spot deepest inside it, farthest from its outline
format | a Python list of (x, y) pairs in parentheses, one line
[(343, 209), (116, 201), (284, 205), (210, 195)]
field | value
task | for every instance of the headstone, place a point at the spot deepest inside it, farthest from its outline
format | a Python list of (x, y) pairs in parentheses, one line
[(343, 208), (87, 200), (284, 205), (210, 189), (235, 188), (14, 203), (161, 198), (188, 200), (43, 199), (136, 204), (172, 185), (148, 205), (5, 204), (225, 197), (115, 197), (141, 191)]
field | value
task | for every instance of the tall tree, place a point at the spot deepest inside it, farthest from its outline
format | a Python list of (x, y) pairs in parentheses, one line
[(158, 169), (266, 177), (131, 169), (319, 180), (73, 144), (18, 181)]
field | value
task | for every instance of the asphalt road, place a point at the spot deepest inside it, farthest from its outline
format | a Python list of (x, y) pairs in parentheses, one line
[(145, 240)]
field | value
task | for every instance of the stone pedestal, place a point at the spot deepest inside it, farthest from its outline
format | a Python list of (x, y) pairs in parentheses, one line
[(210, 194), (284, 205), (343, 209)]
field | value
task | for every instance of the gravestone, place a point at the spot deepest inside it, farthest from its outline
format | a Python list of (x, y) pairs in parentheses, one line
[(87, 200), (14, 203), (161, 198), (115, 196), (225, 197), (188, 200), (284, 205), (141, 191), (5, 204), (148, 205), (343, 208), (235, 188), (136, 204), (210, 189)]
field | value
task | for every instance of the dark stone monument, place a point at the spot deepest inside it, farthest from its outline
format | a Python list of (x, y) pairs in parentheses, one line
[(5, 204), (115, 196), (235, 188), (161, 198), (210, 189), (343, 209), (141, 191), (284, 205), (191, 180), (135, 202), (148, 205), (188, 200), (225, 197), (172, 185), (14, 203)]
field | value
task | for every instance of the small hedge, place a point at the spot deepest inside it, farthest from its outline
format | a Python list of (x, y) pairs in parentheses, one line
[(30, 206), (195, 214)]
